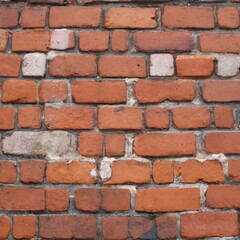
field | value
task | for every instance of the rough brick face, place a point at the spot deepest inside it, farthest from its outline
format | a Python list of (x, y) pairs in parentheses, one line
[(119, 119)]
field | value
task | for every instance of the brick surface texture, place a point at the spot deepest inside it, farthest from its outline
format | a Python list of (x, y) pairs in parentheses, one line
[(119, 119)]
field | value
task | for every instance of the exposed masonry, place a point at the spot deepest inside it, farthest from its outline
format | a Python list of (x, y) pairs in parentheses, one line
[(119, 119)]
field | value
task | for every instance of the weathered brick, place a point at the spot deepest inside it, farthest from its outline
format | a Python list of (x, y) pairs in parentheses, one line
[(73, 117), (221, 91), (120, 40), (75, 172), (163, 172), (157, 118), (167, 199), (234, 170), (209, 224), (228, 17), (8, 17), (62, 39), (24, 226), (172, 144), (160, 91), (191, 117), (15, 199), (53, 145), (9, 65), (115, 145), (68, 226), (32, 171), (166, 227), (34, 17), (99, 92), (53, 91), (223, 116), (5, 226), (220, 42), (3, 40), (31, 41), (29, 117), (227, 65), (73, 65), (130, 18), (194, 66), (188, 17), (164, 41), (90, 144), (222, 142), (7, 118), (75, 16), (8, 172), (129, 171), (122, 66), (93, 41), (162, 65), (57, 199), (125, 118), (19, 91)]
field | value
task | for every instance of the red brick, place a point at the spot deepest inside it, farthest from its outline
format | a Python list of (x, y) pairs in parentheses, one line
[(222, 142), (191, 117), (209, 224), (29, 117), (115, 227), (93, 41), (15, 199), (70, 173), (129, 171), (164, 41), (90, 144), (9, 65), (3, 40), (167, 199), (223, 196), (75, 16), (166, 227), (209, 171), (171, 144), (234, 170), (188, 17), (122, 66), (32, 171), (73, 117), (8, 172), (68, 226), (34, 17), (7, 118), (73, 65), (88, 199), (99, 92), (163, 172), (57, 199), (53, 91), (221, 91), (120, 40), (115, 145), (24, 226), (19, 91), (8, 17), (30, 41), (48, 1), (194, 66), (123, 17), (125, 118), (5, 227), (115, 199), (223, 116), (220, 42), (157, 118), (228, 17), (160, 91)]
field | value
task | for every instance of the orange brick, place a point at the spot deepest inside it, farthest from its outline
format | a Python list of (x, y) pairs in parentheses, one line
[(24, 226), (34, 17), (115, 144), (234, 170), (5, 226), (93, 41), (8, 17), (157, 118), (228, 17), (29, 117), (120, 40), (90, 144), (223, 116), (9, 65), (163, 172), (3, 40), (7, 118)]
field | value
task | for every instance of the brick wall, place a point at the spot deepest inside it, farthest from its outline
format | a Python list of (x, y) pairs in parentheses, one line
[(119, 120)]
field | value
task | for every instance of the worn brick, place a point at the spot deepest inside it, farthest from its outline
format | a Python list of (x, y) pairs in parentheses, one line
[(163, 172), (223, 116), (9, 65), (162, 65), (228, 17), (5, 227), (24, 226), (8, 172), (234, 170), (62, 39), (7, 118), (8, 17), (115, 145), (29, 117), (166, 227), (157, 118), (3, 40), (120, 40)]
